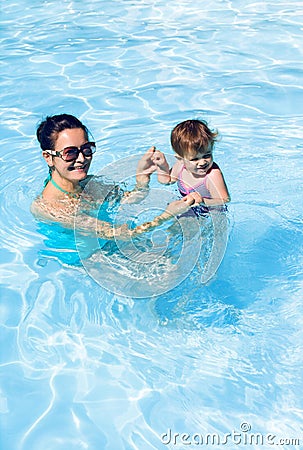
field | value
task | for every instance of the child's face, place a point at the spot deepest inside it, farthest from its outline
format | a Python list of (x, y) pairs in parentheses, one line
[(198, 164)]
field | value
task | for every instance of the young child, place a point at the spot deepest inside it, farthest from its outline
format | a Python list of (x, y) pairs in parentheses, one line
[(195, 171)]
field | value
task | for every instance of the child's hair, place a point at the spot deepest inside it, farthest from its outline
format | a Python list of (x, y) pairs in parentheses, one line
[(191, 137), (49, 129)]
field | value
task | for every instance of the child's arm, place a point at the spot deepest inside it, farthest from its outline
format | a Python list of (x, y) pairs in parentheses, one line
[(216, 185), (165, 174), (175, 170)]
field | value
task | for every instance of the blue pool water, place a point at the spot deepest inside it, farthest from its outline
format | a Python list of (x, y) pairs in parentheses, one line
[(85, 368)]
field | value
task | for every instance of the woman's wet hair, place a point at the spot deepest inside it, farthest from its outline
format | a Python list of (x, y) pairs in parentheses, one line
[(191, 137), (49, 128)]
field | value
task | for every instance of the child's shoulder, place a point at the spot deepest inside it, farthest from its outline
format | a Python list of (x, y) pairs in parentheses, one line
[(214, 170), (215, 174)]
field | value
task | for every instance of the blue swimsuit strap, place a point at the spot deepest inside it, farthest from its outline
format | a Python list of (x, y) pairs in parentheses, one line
[(49, 179)]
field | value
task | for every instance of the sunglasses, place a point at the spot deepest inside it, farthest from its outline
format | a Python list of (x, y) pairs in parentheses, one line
[(71, 153)]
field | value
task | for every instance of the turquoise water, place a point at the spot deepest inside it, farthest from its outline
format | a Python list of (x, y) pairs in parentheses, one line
[(85, 368)]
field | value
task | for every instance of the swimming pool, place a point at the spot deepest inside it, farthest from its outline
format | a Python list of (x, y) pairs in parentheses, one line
[(85, 368)]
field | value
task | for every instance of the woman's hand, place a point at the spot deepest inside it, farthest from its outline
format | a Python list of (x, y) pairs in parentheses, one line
[(196, 197), (180, 206), (173, 209), (146, 165), (163, 169), (160, 161), (153, 160)]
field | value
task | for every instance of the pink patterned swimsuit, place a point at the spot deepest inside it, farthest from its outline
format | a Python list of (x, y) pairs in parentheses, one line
[(202, 190)]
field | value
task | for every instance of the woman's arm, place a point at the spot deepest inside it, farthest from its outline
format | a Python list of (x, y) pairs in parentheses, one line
[(71, 218), (152, 161), (172, 210), (163, 170), (145, 168), (123, 232)]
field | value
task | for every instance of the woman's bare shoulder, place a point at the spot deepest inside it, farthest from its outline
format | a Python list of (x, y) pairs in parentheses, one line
[(51, 211), (38, 207)]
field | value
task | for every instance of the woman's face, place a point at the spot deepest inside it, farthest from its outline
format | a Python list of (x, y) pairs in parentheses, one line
[(73, 170)]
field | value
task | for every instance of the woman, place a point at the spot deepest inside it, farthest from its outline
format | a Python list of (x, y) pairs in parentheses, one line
[(66, 148)]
